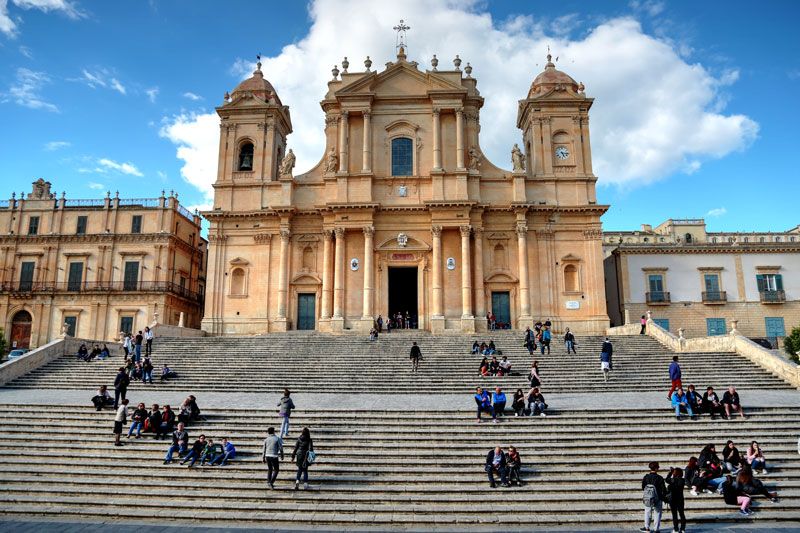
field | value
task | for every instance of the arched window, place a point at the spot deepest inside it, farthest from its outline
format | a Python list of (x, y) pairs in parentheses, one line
[(571, 278), (402, 156), (499, 258), (761, 239), (688, 238), (713, 239), (777, 239), (237, 282), (246, 156)]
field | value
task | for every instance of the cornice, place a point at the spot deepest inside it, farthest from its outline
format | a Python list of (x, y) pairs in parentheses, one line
[(683, 249)]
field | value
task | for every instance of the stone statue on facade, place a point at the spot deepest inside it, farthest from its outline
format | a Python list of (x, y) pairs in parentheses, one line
[(517, 159), (287, 164), (41, 190), (475, 157), (332, 161)]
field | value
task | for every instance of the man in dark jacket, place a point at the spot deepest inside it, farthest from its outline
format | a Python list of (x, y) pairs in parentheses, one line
[(180, 441), (711, 403), (496, 462), (415, 356), (654, 490), (605, 358), (197, 449), (121, 383), (730, 401)]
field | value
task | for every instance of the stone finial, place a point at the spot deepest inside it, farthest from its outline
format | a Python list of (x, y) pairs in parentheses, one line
[(227, 96), (680, 334), (258, 62), (162, 193), (335, 72), (457, 62), (108, 194), (734, 326), (368, 63), (581, 88), (116, 195), (345, 64), (434, 63), (63, 194), (468, 70), (13, 195), (401, 53), (176, 195), (171, 193)]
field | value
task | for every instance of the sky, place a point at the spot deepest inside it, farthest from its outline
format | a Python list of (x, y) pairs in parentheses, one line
[(694, 101)]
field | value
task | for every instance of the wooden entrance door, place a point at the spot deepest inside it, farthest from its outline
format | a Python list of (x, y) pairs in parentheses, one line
[(21, 330), (306, 311)]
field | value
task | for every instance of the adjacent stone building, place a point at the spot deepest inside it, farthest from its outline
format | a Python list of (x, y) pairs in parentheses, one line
[(403, 212), (701, 281), (94, 268)]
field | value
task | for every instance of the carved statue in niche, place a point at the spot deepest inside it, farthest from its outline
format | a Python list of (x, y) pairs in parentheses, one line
[(332, 161), (287, 164), (517, 159), (475, 157)]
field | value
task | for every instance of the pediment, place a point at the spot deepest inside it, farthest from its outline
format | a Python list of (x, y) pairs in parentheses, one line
[(306, 278), (238, 261), (500, 276), (570, 257), (401, 78), (412, 245)]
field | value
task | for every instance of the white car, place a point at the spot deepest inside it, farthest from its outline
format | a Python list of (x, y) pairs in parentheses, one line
[(19, 352)]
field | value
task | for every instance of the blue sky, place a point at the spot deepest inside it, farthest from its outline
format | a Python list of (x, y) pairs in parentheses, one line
[(695, 101)]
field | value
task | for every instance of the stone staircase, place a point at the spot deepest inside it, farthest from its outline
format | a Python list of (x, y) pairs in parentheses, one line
[(314, 362), (381, 469)]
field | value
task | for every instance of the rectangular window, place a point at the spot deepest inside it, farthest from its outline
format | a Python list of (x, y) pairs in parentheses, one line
[(656, 282), (136, 224), (715, 326), (402, 156), (26, 275), (183, 282), (81, 226), (33, 226), (72, 325), (75, 278), (775, 326), (769, 282), (711, 283), (131, 279), (126, 324)]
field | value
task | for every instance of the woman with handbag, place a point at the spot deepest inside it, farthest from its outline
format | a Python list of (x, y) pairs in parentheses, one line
[(303, 451)]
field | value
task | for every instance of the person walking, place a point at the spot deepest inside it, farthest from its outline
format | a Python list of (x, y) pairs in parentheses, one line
[(643, 321), (530, 341), (415, 356), (675, 486), (569, 342), (273, 449), (674, 376), (300, 455), (285, 406), (138, 340), (148, 341), (545, 340), (605, 358), (147, 370), (121, 383), (654, 490), (119, 420)]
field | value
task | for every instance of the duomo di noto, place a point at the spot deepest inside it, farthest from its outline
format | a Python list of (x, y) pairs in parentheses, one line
[(403, 212)]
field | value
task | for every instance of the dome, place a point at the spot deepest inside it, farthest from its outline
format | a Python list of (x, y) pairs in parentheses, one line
[(257, 85), (551, 78)]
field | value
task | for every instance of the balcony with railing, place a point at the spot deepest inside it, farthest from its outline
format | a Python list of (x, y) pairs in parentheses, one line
[(715, 297), (773, 297), (26, 287), (658, 297)]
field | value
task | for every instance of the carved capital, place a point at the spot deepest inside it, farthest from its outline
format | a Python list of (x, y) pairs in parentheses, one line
[(285, 235), (369, 231), (437, 110), (366, 114), (327, 234), (465, 230), (345, 114), (436, 231), (459, 110), (522, 230), (339, 233), (592, 234)]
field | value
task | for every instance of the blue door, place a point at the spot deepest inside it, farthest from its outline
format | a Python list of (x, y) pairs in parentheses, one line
[(775, 326), (501, 308), (716, 326), (662, 322), (306, 314)]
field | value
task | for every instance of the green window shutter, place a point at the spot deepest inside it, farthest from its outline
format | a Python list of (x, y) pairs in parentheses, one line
[(760, 281), (779, 282)]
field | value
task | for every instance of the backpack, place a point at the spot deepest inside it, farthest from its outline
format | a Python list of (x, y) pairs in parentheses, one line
[(650, 496)]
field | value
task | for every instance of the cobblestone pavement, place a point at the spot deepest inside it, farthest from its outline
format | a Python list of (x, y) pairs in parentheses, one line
[(117, 527), (389, 402)]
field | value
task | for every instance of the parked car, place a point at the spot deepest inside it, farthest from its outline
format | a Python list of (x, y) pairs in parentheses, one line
[(763, 342), (19, 352)]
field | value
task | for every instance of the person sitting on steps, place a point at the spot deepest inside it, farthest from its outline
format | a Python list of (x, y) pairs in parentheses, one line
[(536, 403), (505, 367), (731, 457), (167, 373), (83, 353), (180, 443), (496, 463), (730, 401), (694, 399), (476, 348), (518, 404), (494, 366), (681, 404), (752, 486), (483, 370), (733, 494), (711, 403), (499, 401), (755, 458), (196, 451), (514, 466), (102, 398), (484, 403), (154, 420), (210, 452), (137, 420)]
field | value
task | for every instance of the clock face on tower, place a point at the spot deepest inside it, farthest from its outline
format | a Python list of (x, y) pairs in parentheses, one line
[(562, 152)]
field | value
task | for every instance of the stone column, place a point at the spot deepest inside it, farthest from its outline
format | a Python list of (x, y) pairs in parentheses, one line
[(283, 274), (343, 141), (369, 232), (524, 291), (480, 298), (327, 274), (437, 271), (366, 151), (338, 279), (460, 138), (466, 273), (437, 140)]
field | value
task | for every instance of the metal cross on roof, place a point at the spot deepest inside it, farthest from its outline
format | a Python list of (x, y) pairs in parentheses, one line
[(401, 28)]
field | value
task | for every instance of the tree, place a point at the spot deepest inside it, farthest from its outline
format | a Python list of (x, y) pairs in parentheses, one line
[(2, 342), (792, 345)]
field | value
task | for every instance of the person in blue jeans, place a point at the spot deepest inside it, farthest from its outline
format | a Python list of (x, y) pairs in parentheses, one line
[(499, 401), (546, 337), (681, 403), (496, 462), (285, 406), (137, 421), (484, 403), (228, 452), (147, 370), (180, 441), (138, 346), (196, 451)]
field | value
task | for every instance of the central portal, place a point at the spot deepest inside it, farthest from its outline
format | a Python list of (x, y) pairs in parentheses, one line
[(403, 295)]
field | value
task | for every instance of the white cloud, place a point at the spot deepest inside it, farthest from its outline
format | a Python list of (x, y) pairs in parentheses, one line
[(56, 145), (653, 111), (716, 212), (197, 138), (192, 96), (152, 94), (26, 90), (100, 77), (26, 51), (95, 186), (117, 86), (8, 26), (124, 168)]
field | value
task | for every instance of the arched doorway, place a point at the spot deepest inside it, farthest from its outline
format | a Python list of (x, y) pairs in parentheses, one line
[(21, 330)]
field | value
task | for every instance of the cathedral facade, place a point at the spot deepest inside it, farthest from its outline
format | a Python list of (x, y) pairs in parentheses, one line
[(403, 213)]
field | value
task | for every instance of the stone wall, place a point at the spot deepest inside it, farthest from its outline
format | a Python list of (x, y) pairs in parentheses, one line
[(32, 360)]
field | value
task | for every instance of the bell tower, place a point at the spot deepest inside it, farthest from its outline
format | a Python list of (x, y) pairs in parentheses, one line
[(554, 119)]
